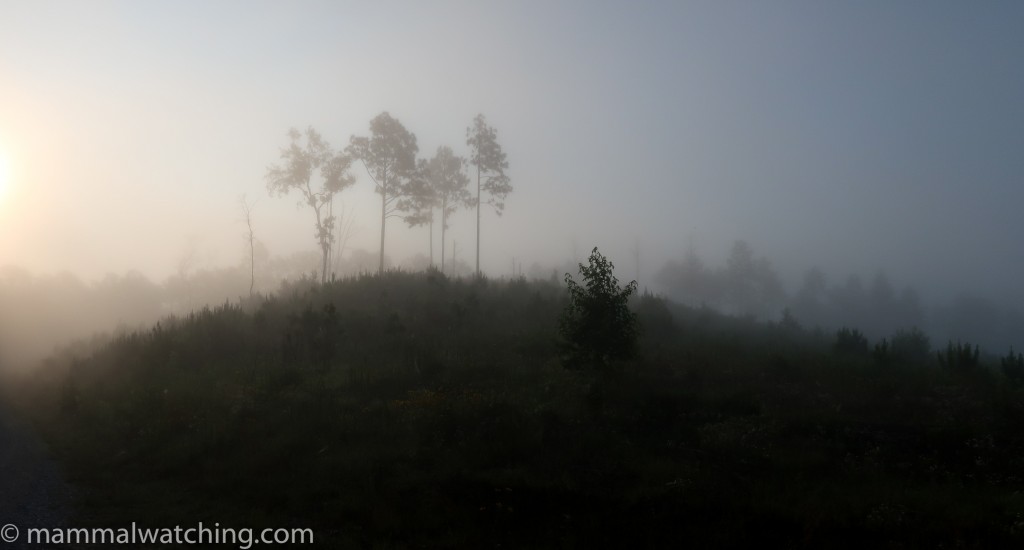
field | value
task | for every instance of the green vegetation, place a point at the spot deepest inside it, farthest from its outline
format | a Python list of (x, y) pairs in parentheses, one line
[(413, 410), (597, 325)]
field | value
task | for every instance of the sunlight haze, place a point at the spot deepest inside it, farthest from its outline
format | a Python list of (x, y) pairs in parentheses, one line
[(868, 137)]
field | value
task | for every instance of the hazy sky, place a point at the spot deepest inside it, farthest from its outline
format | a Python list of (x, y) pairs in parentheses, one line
[(856, 136)]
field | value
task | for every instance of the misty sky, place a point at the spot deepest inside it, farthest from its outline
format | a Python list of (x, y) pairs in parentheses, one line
[(855, 136)]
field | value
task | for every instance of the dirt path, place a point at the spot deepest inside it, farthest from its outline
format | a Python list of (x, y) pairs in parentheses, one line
[(32, 493)]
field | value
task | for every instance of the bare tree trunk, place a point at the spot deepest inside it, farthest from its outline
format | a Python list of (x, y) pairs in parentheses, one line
[(345, 230), (431, 229), (325, 247), (321, 237), (247, 211), (383, 219), (444, 224), (477, 219), (330, 237)]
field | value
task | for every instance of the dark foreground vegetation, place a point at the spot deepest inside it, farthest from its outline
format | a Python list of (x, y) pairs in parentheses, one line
[(411, 410)]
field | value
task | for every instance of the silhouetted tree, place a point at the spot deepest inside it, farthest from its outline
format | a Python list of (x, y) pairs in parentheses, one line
[(691, 281), (597, 324), (389, 154), (753, 288), (300, 162), (418, 203), (959, 356), (1013, 367), (447, 181), (910, 346), (850, 342), (488, 158)]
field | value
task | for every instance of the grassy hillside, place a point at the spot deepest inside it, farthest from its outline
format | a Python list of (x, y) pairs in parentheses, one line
[(416, 411)]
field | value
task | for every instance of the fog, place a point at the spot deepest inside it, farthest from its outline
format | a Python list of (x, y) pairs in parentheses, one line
[(865, 140)]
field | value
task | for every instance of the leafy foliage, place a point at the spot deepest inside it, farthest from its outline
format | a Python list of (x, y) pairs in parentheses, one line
[(389, 154), (492, 185), (442, 183), (299, 164), (490, 162), (597, 325)]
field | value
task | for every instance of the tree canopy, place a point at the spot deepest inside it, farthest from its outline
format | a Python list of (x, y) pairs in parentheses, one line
[(492, 185), (389, 155), (300, 162)]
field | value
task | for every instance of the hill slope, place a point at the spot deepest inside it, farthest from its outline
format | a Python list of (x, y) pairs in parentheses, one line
[(412, 410)]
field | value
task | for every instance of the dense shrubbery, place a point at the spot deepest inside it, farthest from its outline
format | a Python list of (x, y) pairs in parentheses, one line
[(413, 410)]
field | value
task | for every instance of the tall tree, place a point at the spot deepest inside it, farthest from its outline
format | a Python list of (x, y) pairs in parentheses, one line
[(488, 158), (389, 155), (419, 201), (301, 162), (250, 238), (447, 179)]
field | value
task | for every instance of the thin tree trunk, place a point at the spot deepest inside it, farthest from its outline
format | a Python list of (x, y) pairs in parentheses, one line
[(247, 209), (444, 224), (252, 265), (431, 229), (383, 218), (330, 237), (323, 274), (320, 236), (478, 218)]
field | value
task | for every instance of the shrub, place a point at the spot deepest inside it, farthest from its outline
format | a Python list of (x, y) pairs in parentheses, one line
[(597, 325)]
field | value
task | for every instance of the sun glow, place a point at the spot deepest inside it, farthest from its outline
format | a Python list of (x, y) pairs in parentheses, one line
[(5, 174)]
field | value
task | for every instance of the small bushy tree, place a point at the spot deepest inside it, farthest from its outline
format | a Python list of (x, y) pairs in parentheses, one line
[(597, 325)]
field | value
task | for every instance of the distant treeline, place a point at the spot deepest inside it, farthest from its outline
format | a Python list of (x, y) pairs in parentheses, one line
[(747, 285)]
